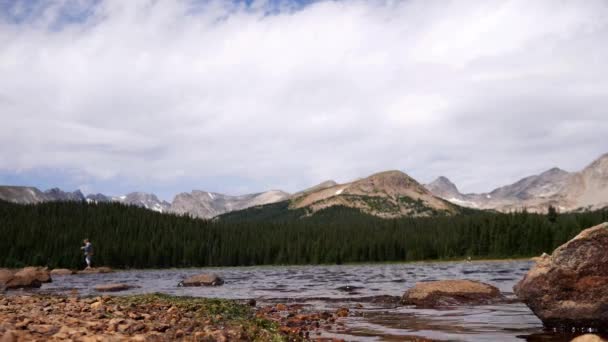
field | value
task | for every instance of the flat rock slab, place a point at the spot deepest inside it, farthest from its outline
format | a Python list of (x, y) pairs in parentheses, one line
[(61, 272), (113, 287), (451, 292), (211, 279), (568, 290), (96, 270)]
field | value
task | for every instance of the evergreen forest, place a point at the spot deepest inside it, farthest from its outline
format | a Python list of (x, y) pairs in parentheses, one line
[(50, 234)]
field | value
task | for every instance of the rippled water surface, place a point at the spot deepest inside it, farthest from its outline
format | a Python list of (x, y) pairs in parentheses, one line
[(369, 290)]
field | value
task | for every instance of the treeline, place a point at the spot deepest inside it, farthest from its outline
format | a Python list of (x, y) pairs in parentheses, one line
[(129, 237)]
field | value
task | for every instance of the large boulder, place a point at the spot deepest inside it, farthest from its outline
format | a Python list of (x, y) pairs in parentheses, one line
[(569, 289), (42, 274), (5, 276), (451, 292), (210, 279), (29, 277)]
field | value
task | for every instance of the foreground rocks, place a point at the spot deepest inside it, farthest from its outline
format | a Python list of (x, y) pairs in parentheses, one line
[(451, 292), (569, 289), (154, 318), (28, 277), (210, 279)]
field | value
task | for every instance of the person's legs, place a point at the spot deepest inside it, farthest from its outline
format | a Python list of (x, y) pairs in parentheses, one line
[(88, 260)]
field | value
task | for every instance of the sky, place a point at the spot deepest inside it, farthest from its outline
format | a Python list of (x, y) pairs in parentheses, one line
[(245, 96)]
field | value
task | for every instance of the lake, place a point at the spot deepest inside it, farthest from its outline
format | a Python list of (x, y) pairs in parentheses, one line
[(370, 291)]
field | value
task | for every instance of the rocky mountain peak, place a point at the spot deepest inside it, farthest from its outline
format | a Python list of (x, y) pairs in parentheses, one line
[(56, 194), (385, 194), (555, 171), (598, 167), (444, 188)]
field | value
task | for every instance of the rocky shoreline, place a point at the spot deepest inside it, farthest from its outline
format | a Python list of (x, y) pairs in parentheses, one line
[(157, 318)]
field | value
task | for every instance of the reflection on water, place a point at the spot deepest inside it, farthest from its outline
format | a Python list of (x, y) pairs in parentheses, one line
[(371, 291)]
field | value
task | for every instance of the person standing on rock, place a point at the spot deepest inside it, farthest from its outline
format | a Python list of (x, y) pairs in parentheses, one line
[(88, 252)]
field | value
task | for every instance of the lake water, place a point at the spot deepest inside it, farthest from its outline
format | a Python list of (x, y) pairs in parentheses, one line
[(370, 291)]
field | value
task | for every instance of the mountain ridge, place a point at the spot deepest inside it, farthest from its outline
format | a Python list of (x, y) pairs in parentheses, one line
[(586, 189)]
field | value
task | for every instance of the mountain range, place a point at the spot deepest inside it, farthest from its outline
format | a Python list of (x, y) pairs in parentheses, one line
[(386, 194), (566, 191)]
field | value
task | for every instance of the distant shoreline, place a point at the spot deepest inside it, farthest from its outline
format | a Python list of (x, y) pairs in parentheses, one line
[(430, 261)]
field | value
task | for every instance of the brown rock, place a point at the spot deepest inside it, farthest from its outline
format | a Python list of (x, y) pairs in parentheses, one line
[(588, 338), (113, 287), (61, 272), (43, 328), (9, 336), (41, 274), (29, 277), (96, 270), (5, 275), (451, 292), (569, 289), (342, 312), (96, 305), (210, 279), (281, 307)]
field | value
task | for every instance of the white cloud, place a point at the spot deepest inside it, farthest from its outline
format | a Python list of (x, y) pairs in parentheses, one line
[(161, 91)]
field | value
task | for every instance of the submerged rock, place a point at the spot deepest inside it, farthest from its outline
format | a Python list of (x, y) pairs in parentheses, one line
[(451, 292), (96, 270), (210, 279), (569, 289), (113, 287), (61, 272)]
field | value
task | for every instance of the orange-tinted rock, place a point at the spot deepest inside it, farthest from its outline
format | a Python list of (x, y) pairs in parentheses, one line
[(96, 270), (28, 277), (41, 274), (588, 338), (342, 312), (210, 279), (61, 272), (451, 292)]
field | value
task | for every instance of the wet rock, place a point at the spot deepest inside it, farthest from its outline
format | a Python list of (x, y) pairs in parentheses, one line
[(41, 274), (113, 287), (28, 277), (588, 338), (569, 289), (210, 279), (96, 270), (348, 288), (451, 292), (342, 312), (61, 272)]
